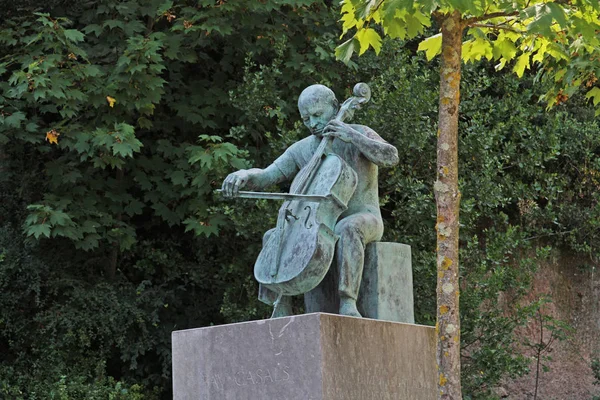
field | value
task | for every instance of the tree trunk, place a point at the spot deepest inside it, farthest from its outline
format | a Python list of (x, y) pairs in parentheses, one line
[(447, 198)]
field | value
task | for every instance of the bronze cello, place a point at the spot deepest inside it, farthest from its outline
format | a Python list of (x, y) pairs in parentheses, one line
[(299, 251)]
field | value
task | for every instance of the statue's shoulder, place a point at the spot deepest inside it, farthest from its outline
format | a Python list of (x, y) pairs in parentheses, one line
[(302, 150), (307, 140), (304, 143), (365, 130), (360, 127)]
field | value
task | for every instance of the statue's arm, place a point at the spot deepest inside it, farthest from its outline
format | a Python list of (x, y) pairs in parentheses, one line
[(369, 143), (376, 149), (253, 179), (282, 169), (262, 178)]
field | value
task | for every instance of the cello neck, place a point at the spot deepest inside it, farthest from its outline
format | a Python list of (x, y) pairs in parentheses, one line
[(308, 171)]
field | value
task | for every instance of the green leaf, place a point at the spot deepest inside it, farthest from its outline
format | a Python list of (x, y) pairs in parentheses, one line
[(89, 242), (113, 23), (504, 48), (522, 64), (559, 74), (122, 149), (541, 51), (144, 123), (205, 158), (594, 94), (395, 28), (462, 5), (74, 35), (169, 216), (14, 120), (93, 28), (91, 70), (135, 207), (205, 228), (368, 37), (542, 19), (390, 8), (558, 14), (349, 20), (432, 46), (414, 26), (557, 52), (585, 28), (363, 8), (60, 218), (475, 49), (179, 178), (345, 50), (39, 230), (164, 7)]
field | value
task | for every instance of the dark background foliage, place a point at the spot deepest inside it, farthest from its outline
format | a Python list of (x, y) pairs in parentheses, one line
[(112, 238)]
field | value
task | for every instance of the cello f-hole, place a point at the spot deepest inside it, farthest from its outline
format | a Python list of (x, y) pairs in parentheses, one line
[(306, 222)]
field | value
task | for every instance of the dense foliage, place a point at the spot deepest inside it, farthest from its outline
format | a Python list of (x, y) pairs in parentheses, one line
[(117, 121)]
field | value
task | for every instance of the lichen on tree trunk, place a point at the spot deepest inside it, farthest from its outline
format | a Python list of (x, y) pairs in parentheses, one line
[(448, 202)]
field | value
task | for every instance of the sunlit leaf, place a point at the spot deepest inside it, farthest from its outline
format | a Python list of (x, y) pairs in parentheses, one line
[(368, 37), (432, 46), (111, 101), (522, 64), (52, 136)]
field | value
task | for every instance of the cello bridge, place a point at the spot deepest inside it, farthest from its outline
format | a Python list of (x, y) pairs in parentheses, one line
[(288, 214)]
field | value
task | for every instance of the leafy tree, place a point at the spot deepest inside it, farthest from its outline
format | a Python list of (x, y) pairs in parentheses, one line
[(117, 120), (69, 329), (525, 188), (536, 30)]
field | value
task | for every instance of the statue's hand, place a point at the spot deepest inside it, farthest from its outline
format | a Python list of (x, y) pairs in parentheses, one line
[(340, 130), (234, 182)]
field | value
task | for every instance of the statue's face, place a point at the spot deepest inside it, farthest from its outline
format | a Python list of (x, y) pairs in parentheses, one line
[(316, 112)]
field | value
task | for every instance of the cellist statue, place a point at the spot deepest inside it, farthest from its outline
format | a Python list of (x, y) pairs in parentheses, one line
[(361, 222)]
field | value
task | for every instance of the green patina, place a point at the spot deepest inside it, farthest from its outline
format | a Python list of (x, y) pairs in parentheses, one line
[(358, 221)]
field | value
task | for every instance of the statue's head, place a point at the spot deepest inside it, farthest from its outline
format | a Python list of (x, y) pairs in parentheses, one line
[(317, 105)]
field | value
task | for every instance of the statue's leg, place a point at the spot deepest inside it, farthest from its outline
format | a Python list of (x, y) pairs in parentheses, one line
[(282, 307), (355, 232)]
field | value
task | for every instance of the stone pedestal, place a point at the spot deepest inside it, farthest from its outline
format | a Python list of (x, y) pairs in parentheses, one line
[(305, 357), (386, 291)]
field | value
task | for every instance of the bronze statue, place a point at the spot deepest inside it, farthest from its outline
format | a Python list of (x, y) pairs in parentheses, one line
[(332, 209)]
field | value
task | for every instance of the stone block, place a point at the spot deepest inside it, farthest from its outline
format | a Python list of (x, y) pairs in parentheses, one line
[(305, 357), (386, 292)]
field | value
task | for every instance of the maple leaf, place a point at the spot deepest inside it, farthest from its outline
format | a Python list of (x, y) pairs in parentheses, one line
[(52, 136), (111, 101)]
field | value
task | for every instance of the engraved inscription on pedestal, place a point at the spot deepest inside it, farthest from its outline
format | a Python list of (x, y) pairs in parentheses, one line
[(258, 376), (252, 360), (305, 357)]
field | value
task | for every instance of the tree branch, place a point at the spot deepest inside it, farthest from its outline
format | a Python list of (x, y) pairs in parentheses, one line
[(438, 17), (484, 17), (497, 27)]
